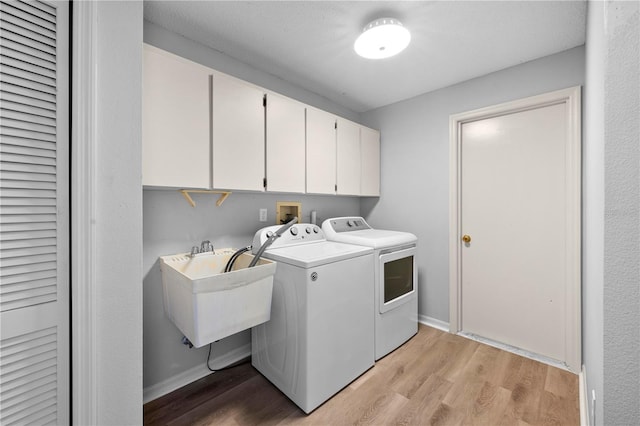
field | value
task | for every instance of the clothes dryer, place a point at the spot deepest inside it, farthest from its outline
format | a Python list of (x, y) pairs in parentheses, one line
[(395, 278), (321, 334)]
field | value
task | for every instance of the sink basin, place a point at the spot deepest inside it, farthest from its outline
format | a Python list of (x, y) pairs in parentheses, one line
[(207, 304)]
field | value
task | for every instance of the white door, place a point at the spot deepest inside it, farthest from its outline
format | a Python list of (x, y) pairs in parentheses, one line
[(176, 146), (321, 152), (285, 144), (517, 223), (238, 134), (34, 210), (348, 157)]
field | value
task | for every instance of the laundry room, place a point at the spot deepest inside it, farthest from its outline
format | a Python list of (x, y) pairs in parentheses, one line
[(413, 175), (414, 323)]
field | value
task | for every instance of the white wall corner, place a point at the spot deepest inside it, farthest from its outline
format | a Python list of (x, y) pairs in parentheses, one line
[(100, 394)]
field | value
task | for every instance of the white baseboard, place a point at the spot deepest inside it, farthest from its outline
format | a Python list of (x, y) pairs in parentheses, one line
[(179, 380), (433, 322), (584, 397)]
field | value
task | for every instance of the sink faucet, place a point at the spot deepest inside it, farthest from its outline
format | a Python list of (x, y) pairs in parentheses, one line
[(205, 247)]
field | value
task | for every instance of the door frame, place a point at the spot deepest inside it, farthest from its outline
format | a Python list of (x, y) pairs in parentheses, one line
[(571, 98), (85, 384)]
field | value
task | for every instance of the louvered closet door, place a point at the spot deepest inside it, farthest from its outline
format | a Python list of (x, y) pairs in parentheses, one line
[(34, 212)]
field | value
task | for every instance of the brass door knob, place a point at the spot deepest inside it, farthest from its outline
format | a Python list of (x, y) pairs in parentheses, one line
[(466, 238)]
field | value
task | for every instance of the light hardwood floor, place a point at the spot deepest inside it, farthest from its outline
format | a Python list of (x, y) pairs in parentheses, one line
[(434, 379)]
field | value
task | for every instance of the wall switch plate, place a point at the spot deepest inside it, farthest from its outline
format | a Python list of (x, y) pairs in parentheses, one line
[(263, 215)]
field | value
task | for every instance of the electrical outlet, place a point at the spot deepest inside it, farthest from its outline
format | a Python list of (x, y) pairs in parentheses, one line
[(263, 215)]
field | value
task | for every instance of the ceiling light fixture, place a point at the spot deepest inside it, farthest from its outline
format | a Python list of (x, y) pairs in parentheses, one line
[(382, 38)]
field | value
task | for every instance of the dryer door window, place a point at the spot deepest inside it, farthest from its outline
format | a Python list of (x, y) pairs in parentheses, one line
[(398, 278)]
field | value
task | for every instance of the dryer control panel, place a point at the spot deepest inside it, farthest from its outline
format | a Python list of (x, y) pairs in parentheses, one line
[(300, 233), (348, 224)]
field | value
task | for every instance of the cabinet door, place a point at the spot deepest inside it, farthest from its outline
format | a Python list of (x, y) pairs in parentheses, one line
[(238, 134), (285, 144), (348, 157), (175, 121), (321, 152), (369, 162)]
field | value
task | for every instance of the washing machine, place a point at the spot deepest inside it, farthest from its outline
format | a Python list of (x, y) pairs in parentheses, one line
[(395, 278), (320, 336)]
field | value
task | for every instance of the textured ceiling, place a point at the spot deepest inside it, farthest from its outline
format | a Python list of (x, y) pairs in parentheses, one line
[(310, 43)]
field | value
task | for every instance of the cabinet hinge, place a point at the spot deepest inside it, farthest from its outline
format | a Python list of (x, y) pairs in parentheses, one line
[(264, 101)]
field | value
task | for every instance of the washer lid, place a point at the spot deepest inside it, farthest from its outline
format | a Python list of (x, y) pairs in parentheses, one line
[(316, 253)]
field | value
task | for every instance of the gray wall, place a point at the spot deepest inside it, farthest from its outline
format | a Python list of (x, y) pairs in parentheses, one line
[(622, 214), (173, 226), (415, 159)]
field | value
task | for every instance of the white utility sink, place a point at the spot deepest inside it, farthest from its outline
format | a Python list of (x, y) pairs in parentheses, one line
[(207, 304)]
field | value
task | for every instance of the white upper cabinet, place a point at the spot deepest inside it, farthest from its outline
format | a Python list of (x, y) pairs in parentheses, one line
[(203, 129), (285, 144), (238, 134), (369, 162), (175, 121), (348, 157), (342, 157), (321, 152)]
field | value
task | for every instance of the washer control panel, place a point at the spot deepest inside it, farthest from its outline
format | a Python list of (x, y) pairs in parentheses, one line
[(348, 224), (298, 233)]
